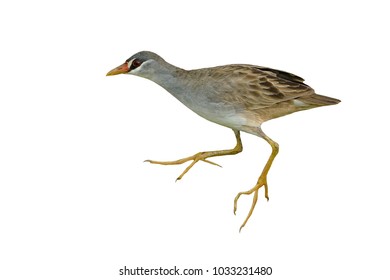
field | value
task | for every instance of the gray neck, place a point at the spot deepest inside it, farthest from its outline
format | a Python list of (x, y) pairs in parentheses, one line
[(168, 76)]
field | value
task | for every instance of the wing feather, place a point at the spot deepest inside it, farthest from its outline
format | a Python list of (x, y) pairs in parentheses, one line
[(263, 87)]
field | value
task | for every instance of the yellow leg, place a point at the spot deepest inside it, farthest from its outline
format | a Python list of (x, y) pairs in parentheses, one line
[(262, 181), (202, 156)]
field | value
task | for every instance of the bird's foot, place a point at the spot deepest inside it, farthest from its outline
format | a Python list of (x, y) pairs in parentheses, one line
[(255, 190), (202, 156)]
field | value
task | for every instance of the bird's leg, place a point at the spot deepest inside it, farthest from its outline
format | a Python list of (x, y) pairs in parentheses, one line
[(202, 156), (262, 181)]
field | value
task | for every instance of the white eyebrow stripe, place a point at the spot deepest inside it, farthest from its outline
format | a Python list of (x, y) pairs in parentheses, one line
[(129, 63)]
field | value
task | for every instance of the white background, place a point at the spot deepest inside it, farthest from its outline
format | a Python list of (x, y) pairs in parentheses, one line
[(76, 199)]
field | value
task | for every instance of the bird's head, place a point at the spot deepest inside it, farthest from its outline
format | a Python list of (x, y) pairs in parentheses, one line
[(143, 64)]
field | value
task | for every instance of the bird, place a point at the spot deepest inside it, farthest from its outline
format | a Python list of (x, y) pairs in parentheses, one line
[(238, 96)]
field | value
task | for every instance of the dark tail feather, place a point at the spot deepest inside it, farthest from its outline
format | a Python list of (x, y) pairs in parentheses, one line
[(319, 100)]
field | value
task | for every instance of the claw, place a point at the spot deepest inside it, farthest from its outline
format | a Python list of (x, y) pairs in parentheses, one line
[(213, 163), (195, 158), (266, 190), (255, 190), (251, 210), (202, 156), (262, 181)]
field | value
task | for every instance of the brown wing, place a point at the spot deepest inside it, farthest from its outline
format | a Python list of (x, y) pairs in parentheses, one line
[(263, 87)]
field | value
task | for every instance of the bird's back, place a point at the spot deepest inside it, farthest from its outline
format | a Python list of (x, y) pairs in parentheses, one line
[(260, 93)]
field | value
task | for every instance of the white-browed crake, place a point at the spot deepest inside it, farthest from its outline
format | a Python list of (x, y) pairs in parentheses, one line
[(237, 96)]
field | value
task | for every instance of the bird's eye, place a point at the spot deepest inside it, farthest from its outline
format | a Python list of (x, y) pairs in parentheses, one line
[(135, 64)]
